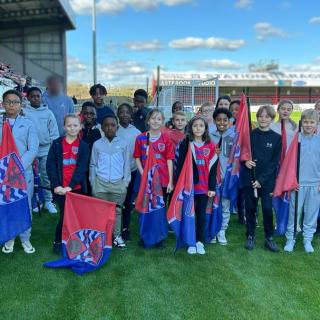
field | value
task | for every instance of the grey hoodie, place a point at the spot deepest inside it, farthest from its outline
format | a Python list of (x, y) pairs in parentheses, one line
[(226, 145), (45, 124), (26, 139)]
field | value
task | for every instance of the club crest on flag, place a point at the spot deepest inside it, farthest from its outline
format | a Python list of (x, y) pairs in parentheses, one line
[(86, 246), (12, 182)]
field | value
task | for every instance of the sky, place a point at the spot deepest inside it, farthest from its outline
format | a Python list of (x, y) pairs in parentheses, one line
[(134, 36)]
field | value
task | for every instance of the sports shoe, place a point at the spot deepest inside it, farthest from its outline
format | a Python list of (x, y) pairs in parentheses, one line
[(214, 240), (308, 246), (160, 245), (118, 242), (126, 235), (8, 246), (192, 250), (270, 244), (200, 248), (50, 207), (222, 238), (36, 209), (249, 245), (57, 247), (289, 245), (27, 247)]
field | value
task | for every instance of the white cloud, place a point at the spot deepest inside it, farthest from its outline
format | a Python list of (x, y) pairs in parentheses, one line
[(265, 30), (116, 6), (243, 4), (209, 43), (151, 45), (216, 64), (114, 73), (314, 20), (306, 67)]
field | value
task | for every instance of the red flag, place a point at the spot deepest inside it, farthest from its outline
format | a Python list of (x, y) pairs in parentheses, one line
[(150, 186), (86, 233), (242, 127), (15, 212), (287, 177), (181, 209)]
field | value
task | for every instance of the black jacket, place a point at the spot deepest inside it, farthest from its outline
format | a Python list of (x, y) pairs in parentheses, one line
[(139, 119), (183, 149), (266, 150), (55, 166)]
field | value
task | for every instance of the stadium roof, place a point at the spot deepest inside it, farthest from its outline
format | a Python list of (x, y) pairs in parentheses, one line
[(294, 79), (30, 13)]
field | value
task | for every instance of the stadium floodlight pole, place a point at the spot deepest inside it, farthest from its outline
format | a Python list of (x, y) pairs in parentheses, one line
[(94, 42), (295, 223), (158, 84)]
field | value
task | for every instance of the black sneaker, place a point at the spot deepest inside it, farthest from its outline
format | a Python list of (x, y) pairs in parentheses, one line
[(57, 247), (270, 244), (126, 235), (160, 245), (141, 243), (249, 245)]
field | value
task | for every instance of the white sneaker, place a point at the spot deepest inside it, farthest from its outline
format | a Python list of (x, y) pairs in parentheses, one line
[(36, 209), (50, 207), (214, 240), (27, 247), (118, 242), (289, 245), (308, 246), (222, 238), (200, 248), (192, 250), (8, 246)]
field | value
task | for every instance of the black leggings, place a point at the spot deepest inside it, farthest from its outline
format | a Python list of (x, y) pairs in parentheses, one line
[(200, 205)]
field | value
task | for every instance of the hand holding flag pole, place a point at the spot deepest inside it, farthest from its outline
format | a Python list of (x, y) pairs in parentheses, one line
[(297, 190)]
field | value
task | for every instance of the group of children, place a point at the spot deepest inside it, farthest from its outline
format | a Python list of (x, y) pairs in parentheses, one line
[(106, 160)]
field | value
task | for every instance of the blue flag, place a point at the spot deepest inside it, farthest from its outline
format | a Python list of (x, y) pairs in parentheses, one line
[(15, 212)]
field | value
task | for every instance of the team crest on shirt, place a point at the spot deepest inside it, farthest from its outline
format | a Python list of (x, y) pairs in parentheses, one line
[(206, 152), (74, 150), (161, 147)]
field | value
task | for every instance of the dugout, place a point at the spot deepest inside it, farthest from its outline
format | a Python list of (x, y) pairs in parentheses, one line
[(33, 36)]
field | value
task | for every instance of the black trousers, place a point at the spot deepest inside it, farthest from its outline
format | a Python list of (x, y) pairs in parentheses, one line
[(251, 209), (128, 206), (240, 205), (61, 200), (200, 205)]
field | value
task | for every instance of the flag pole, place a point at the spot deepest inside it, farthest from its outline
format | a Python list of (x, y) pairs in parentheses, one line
[(255, 190), (297, 191)]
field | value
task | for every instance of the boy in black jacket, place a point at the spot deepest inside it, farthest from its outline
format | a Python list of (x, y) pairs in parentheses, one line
[(259, 177)]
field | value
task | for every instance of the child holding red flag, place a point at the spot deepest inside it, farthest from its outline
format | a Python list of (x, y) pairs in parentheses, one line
[(309, 183), (204, 173), (162, 150), (223, 137), (259, 176), (27, 143), (285, 126), (67, 164)]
